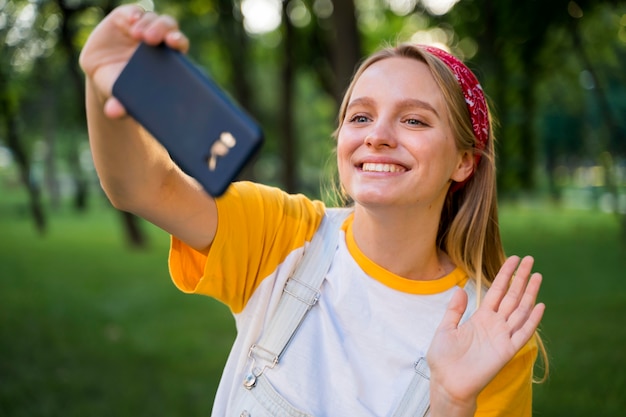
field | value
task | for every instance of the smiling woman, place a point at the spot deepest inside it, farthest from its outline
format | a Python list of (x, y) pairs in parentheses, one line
[(396, 123), (391, 288)]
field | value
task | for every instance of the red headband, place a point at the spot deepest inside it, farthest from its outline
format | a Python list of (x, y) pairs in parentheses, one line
[(473, 93)]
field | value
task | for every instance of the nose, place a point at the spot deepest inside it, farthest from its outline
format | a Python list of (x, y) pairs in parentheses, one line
[(380, 135)]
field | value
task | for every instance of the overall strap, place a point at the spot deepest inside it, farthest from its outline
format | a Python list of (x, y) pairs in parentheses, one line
[(301, 292), (416, 399)]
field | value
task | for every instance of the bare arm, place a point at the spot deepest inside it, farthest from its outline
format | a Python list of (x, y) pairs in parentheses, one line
[(135, 171)]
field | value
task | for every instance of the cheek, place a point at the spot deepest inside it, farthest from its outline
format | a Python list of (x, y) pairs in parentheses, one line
[(345, 150), (343, 159), (344, 147)]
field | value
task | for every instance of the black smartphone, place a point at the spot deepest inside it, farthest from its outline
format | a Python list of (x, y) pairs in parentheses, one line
[(205, 132)]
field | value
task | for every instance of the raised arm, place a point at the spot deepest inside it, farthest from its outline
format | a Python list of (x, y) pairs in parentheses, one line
[(135, 171)]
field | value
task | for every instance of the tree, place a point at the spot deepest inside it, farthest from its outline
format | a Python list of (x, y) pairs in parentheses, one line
[(19, 38), (70, 12), (509, 39)]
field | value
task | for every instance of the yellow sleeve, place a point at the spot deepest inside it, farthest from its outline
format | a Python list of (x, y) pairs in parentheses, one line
[(509, 394), (258, 226)]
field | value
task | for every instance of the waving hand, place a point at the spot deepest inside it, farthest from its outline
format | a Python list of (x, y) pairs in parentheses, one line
[(463, 359)]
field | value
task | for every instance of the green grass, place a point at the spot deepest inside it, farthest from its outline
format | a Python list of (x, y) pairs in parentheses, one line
[(90, 327), (584, 266)]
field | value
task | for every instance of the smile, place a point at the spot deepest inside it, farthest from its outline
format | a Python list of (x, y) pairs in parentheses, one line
[(370, 167)]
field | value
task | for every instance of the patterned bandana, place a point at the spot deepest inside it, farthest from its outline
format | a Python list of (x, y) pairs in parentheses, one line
[(473, 93)]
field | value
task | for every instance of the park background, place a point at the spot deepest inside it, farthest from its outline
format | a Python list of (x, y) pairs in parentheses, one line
[(90, 323)]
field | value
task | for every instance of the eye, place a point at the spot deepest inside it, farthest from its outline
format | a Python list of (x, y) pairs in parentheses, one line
[(359, 118), (411, 121)]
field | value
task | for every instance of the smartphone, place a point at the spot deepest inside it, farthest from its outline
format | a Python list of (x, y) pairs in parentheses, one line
[(205, 132)]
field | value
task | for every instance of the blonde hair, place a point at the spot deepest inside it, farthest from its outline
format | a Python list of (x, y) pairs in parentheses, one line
[(469, 230)]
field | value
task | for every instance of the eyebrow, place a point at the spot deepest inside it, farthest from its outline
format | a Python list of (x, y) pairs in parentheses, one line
[(404, 104)]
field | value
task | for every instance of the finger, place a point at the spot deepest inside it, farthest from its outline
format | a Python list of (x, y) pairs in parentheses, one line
[(177, 40), (114, 109), (141, 24), (523, 335), (500, 284), (159, 28), (527, 303), (133, 11), (517, 287), (455, 310)]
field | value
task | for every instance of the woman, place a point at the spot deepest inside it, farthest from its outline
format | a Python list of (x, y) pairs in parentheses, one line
[(415, 155)]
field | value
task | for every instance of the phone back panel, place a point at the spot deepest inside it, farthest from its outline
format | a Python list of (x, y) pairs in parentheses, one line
[(205, 132)]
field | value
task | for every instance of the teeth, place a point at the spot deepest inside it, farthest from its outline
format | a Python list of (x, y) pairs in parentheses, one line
[(369, 167)]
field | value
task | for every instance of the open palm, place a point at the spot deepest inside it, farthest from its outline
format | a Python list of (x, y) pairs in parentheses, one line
[(463, 359)]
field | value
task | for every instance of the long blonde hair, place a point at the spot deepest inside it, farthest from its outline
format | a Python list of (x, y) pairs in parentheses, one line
[(469, 230)]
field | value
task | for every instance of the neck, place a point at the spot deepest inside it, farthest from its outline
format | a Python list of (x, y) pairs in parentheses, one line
[(403, 242)]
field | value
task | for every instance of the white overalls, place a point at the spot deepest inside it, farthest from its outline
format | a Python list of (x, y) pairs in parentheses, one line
[(256, 397)]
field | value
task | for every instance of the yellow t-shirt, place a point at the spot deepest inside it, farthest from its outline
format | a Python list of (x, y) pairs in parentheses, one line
[(353, 355)]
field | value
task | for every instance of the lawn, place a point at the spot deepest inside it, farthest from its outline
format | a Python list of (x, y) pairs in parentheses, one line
[(584, 268), (89, 327)]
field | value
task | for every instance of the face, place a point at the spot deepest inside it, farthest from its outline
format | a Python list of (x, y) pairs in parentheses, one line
[(395, 146)]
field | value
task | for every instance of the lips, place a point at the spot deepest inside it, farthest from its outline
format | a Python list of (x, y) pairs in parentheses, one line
[(380, 167)]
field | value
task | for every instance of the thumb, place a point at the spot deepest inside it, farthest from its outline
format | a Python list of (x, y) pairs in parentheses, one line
[(455, 310), (114, 109)]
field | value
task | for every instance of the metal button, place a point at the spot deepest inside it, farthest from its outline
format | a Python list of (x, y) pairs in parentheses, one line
[(249, 381)]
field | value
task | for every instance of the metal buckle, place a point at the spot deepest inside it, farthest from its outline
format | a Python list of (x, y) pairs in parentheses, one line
[(421, 368), (307, 301), (251, 377)]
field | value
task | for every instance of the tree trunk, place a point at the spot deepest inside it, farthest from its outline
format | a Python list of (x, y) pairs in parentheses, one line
[(492, 64), (235, 42), (288, 146), (66, 36), (134, 234), (49, 135), (528, 142), (346, 50), (14, 143)]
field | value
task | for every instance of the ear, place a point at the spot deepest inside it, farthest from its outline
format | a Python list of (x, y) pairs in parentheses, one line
[(464, 168)]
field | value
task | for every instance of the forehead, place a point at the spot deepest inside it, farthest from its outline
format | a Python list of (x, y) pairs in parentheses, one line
[(398, 78)]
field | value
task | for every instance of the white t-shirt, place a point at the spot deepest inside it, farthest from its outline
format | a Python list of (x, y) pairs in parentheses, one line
[(354, 352)]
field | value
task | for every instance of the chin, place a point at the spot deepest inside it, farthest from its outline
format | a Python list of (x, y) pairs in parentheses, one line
[(374, 198)]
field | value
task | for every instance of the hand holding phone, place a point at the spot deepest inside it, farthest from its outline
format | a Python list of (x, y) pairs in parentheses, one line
[(204, 131)]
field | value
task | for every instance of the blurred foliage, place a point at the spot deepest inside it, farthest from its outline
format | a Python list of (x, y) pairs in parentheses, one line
[(553, 72)]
